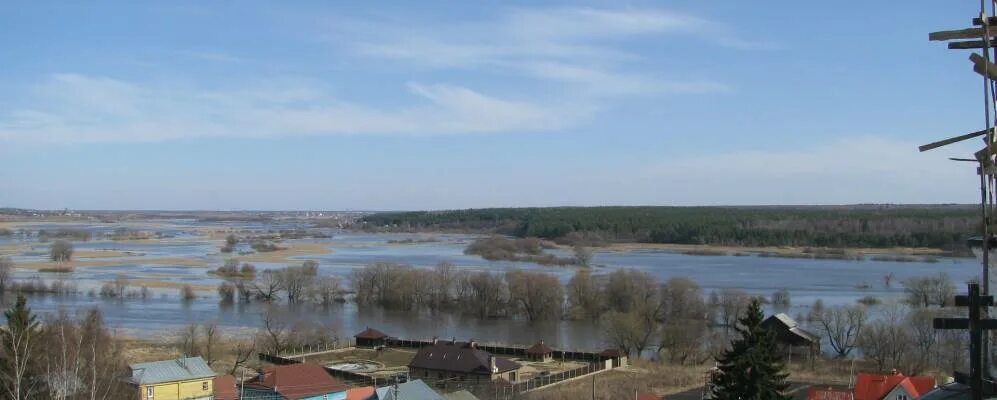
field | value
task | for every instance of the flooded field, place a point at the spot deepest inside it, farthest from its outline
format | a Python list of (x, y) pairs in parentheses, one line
[(184, 251)]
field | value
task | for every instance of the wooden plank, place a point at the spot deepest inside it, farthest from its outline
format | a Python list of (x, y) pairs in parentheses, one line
[(981, 156), (968, 33), (981, 66), (971, 44), (951, 140), (962, 323), (963, 300)]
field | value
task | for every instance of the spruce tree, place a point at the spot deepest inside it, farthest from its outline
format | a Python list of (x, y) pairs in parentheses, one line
[(751, 369), (17, 341)]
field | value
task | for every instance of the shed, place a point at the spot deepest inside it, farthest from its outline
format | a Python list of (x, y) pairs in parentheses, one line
[(791, 337), (540, 352), (618, 358), (370, 338)]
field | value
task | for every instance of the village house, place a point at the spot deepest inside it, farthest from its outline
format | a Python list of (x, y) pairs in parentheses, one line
[(540, 352), (370, 338), (226, 388), (305, 381), (460, 361), (187, 378), (791, 338), (894, 386), (416, 389)]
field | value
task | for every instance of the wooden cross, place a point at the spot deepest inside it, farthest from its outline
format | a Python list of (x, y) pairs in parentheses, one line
[(976, 326)]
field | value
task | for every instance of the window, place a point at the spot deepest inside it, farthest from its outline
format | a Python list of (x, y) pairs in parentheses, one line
[(204, 386), (902, 397), (148, 392)]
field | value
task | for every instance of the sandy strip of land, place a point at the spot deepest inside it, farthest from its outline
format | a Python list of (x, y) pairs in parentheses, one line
[(284, 256), (158, 284), (184, 262)]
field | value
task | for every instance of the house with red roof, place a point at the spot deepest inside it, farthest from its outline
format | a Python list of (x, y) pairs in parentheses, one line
[(303, 381), (226, 388), (894, 386)]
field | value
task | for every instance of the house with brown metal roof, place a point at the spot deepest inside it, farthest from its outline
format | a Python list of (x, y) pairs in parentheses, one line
[(305, 381), (540, 352), (370, 338), (459, 361), (226, 388)]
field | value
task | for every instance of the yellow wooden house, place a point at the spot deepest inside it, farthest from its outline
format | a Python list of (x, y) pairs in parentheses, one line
[(187, 378)]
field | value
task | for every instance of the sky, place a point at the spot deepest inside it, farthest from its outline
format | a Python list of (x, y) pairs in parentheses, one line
[(439, 105)]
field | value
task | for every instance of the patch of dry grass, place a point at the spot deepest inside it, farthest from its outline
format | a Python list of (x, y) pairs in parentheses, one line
[(184, 262), (284, 256)]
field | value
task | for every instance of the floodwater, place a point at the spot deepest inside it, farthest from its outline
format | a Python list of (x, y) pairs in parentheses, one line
[(833, 281)]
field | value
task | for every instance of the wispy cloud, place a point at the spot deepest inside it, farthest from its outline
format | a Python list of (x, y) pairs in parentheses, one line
[(79, 108), (573, 45)]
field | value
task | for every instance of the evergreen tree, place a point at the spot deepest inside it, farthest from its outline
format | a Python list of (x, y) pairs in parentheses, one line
[(16, 345), (751, 369)]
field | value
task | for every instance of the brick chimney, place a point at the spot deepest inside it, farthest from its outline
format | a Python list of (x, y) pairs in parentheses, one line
[(472, 344), (491, 362), (436, 339)]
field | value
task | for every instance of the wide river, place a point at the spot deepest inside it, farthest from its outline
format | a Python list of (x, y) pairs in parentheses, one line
[(834, 281)]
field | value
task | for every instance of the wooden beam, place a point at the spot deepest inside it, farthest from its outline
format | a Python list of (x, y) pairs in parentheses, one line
[(968, 33), (982, 157), (981, 66), (962, 323), (971, 44), (951, 140), (963, 301)]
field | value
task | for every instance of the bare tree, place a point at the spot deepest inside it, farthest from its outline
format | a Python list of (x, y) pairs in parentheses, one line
[(208, 348), (930, 290), (83, 360), (328, 290), (731, 304), (267, 286), (781, 299), (226, 292), (274, 331), (17, 347), (6, 272), (243, 352), (843, 326), (61, 250), (187, 341), (297, 281), (585, 298), (539, 295), (621, 331), (120, 286), (886, 340), (583, 256), (187, 293)]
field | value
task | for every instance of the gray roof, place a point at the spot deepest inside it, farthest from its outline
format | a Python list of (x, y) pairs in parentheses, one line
[(460, 395), (411, 390), (170, 371)]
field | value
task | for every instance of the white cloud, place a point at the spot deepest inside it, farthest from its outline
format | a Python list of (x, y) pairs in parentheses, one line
[(80, 108), (577, 46)]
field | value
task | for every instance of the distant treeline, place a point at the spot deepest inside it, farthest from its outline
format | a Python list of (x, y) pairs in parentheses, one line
[(943, 226)]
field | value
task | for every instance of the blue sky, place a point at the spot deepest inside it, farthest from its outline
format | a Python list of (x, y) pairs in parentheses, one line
[(397, 105)]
